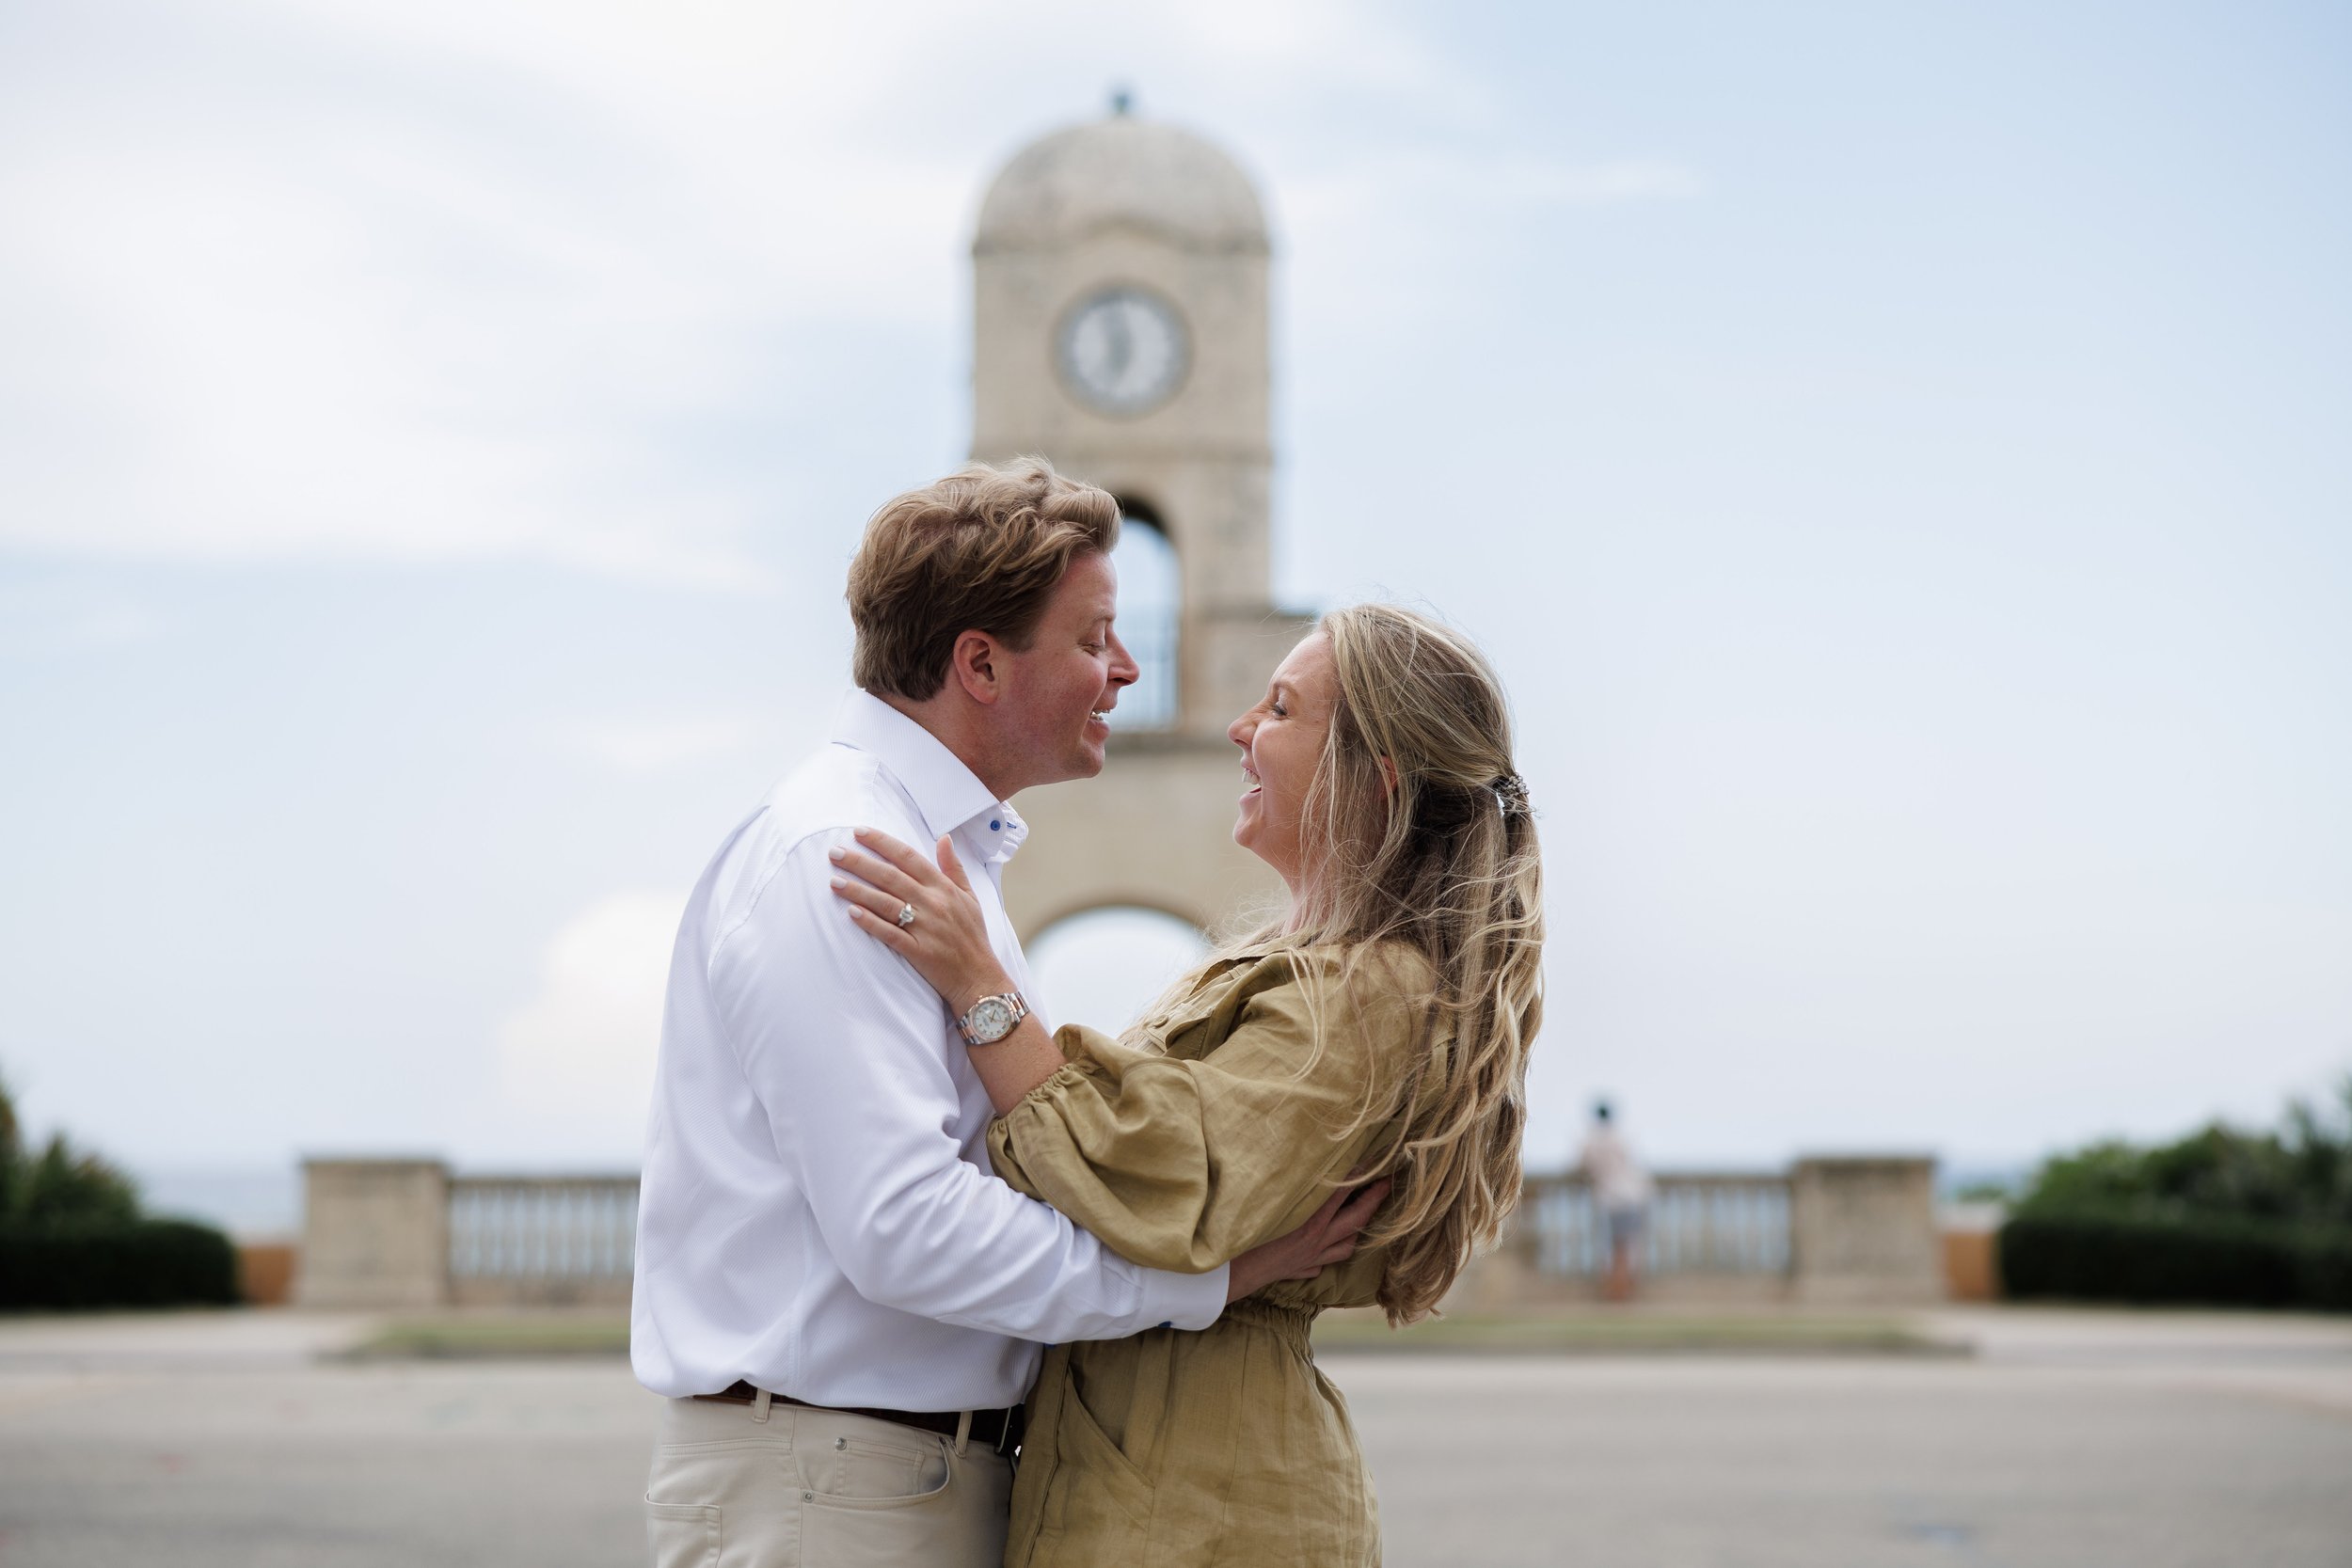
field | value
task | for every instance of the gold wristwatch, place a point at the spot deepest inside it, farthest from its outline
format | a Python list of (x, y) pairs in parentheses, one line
[(992, 1018)]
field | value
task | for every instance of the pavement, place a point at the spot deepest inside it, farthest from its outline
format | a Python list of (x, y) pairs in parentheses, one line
[(2066, 1439)]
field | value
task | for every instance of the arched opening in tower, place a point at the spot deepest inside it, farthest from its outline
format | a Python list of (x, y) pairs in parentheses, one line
[(1150, 608), (1102, 967)]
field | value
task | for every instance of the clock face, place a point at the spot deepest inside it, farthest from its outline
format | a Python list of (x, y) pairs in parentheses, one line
[(1123, 350)]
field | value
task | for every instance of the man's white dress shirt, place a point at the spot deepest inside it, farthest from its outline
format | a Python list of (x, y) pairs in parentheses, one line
[(818, 1216)]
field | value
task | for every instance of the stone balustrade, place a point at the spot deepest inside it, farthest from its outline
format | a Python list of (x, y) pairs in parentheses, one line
[(541, 1240), (406, 1233), (1851, 1230)]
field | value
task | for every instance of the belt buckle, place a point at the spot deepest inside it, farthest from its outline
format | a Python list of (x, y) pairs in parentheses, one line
[(1009, 1436)]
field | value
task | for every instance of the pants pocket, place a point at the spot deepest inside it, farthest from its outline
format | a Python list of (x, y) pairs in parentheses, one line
[(958, 1523), (879, 1472), (682, 1535)]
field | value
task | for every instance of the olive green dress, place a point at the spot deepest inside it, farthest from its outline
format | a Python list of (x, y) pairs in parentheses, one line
[(1211, 1134)]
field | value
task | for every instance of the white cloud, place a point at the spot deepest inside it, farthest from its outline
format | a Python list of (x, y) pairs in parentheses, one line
[(437, 280), (582, 1049), (497, 325)]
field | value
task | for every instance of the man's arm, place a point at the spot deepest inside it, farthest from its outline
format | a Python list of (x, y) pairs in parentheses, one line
[(841, 1040)]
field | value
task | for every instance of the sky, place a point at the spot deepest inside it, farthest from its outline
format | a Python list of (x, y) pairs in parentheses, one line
[(1894, 455)]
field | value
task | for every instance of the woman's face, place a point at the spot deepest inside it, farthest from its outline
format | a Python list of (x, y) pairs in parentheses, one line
[(1280, 740)]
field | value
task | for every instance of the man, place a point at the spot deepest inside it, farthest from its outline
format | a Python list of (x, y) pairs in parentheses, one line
[(1622, 1188), (841, 1301)]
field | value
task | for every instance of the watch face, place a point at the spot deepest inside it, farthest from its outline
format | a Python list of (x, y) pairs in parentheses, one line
[(992, 1019), (1123, 350)]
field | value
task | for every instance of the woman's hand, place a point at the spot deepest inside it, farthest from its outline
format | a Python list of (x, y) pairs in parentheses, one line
[(946, 942), (1328, 1236)]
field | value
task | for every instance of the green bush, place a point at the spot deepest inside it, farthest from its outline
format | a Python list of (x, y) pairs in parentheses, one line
[(70, 1235), (2326, 1271), (2300, 1173), (115, 1263), (2202, 1261)]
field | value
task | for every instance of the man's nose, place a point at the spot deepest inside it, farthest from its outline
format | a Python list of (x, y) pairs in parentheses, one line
[(1124, 671)]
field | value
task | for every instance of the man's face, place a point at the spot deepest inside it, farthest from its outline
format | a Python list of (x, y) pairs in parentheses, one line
[(1056, 694)]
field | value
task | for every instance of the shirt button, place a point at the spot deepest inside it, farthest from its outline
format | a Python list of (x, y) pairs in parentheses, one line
[(995, 827)]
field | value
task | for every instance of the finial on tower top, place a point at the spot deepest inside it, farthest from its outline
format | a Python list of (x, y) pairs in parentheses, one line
[(1122, 102)]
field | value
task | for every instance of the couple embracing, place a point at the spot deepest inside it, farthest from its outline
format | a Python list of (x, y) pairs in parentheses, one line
[(897, 1232)]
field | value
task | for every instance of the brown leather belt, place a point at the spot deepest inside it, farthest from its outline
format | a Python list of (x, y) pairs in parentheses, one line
[(999, 1429)]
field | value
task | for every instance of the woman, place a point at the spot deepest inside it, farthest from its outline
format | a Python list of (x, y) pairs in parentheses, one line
[(1380, 1029)]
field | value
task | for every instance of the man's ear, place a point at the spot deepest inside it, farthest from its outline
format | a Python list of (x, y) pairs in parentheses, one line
[(972, 666)]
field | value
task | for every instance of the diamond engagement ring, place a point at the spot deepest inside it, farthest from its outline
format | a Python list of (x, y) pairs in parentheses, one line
[(906, 917)]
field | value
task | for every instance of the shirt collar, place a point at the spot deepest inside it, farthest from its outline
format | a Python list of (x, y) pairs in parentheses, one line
[(948, 795)]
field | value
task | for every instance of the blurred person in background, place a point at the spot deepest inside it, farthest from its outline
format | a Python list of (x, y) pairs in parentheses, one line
[(1623, 1190), (844, 1307), (1379, 1028)]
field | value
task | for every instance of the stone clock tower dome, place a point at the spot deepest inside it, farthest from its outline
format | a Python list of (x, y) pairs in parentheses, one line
[(1119, 329)]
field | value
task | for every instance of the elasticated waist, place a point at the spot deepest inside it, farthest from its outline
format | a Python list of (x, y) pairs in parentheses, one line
[(1293, 1326)]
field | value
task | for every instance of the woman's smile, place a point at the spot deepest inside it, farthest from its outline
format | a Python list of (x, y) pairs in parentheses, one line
[(1280, 739)]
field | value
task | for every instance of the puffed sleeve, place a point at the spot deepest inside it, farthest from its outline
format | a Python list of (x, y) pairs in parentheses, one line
[(1184, 1164)]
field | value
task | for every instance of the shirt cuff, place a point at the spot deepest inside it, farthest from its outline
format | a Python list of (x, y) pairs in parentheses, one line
[(1189, 1301)]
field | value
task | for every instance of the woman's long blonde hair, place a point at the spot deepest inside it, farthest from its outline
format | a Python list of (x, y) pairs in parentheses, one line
[(1436, 853)]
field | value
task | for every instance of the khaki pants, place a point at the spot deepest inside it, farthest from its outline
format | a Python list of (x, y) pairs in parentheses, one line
[(735, 1486)]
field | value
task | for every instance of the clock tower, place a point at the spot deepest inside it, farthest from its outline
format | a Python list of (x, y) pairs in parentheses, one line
[(1120, 331)]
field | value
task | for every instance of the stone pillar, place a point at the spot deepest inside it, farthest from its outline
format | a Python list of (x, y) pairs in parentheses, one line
[(1861, 1230), (374, 1233)]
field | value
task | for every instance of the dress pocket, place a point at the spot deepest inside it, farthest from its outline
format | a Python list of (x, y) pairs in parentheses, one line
[(682, 1535), (1091, 1465)]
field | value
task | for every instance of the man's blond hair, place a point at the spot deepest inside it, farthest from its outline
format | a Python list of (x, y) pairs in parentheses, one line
[(980, 550)]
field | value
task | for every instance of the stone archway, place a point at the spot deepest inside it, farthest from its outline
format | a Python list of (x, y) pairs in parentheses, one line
[(1151, 617), (1103, 966)]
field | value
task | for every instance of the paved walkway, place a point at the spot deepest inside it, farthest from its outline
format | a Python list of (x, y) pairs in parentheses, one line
[(2071, 1440)]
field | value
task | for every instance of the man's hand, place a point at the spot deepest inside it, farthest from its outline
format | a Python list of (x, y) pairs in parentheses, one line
[(1328, 1236)]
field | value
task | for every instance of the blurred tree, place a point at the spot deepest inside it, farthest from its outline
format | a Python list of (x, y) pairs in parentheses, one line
[(71, 1238), (12, 1152), (62, 1185), (2319, 1142), (59, 1185), (2302, 1172)]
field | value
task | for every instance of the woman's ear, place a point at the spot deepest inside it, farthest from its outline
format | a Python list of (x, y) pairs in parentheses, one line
[(1387, 777)]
